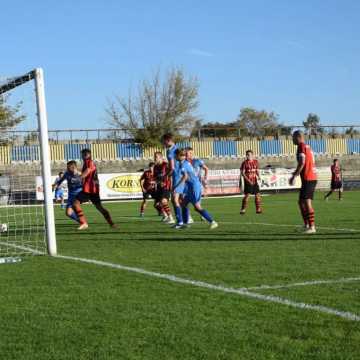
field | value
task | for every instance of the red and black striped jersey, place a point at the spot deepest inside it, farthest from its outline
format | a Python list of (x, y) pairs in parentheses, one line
[(162, 179), (250, 168)]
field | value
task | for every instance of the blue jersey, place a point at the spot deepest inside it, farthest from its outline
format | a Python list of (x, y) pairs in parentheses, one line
[(192, 179), (74, 182), (170, 153), (176, 177), (197, 164)]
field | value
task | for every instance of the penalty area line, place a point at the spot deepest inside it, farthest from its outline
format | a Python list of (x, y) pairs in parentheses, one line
[(229, 290), (304, 283)]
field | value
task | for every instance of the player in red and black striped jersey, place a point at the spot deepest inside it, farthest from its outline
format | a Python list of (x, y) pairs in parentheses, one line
[(163, 187), (336, 180), (250, 172), (307, 171), (148, 186), (90, 191)]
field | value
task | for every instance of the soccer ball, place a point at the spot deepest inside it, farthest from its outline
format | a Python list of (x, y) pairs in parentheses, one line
[(3, 228)]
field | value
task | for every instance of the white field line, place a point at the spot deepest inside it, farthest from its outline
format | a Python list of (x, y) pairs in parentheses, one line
[(138, 218), (305, 283), (229, 290), (242, 292)]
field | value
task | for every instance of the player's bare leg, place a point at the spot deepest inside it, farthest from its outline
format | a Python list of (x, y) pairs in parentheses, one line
[(244, 204), (106, 214), (80, 214), (258, 204)]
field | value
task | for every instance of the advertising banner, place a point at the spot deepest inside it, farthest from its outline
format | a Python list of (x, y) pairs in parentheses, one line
[(220, 182)]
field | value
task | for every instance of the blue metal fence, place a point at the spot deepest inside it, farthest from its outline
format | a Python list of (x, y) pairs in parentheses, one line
[(25, 153), (318, 146), (73, 151), (270, 147), (225, 148), (128, 151), (353, 146)]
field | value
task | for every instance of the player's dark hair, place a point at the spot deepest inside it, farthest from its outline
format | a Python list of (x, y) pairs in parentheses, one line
[(71, 162), (297, 133), (167, 137), (85, 151), (249, 152), (189, 148), (180, 152), (335, 160), (158, 153), (61, 173)]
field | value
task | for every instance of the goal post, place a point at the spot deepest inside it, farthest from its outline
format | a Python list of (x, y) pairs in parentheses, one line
[(31, 223)]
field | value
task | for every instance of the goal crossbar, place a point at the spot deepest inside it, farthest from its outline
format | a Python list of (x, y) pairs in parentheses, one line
[(12, 83)]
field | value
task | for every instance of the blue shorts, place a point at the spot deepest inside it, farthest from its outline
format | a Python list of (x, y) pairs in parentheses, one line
[(193, 195), (59, 194), (71, 199), (180, 189)]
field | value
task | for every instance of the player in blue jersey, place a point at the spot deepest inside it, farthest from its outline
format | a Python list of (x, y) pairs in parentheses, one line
[(201, 170), (192, 193), (59, 190), (74, 183), (168, 142), (173, 173)]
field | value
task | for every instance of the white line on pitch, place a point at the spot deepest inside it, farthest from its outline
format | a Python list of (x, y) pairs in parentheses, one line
[(243, 223), (286, 225), (201, 284), (305, 283)]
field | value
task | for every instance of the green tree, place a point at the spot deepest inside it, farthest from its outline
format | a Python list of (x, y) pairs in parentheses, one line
[(10, 116), (165, 103), (312, 125), (257, 123)]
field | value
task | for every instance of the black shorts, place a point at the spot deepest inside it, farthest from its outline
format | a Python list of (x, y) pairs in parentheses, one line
[(86, 197), (162, 194), (336, 185), (149, 195), (252, 189), (307, 190)]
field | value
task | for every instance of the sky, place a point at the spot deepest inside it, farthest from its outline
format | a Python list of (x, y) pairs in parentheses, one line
[(291, 57)]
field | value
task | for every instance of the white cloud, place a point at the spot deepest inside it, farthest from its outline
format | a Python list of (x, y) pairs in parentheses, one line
[(199, 52)]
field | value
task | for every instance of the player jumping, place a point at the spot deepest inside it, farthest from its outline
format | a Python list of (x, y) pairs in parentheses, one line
[(90, 191), (307, 171), (336, 180), (250, 172), (59, 190), (192, 193), (74, 183), (148, 187)]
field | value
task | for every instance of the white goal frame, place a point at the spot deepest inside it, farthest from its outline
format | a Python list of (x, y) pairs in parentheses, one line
[(37, 76)]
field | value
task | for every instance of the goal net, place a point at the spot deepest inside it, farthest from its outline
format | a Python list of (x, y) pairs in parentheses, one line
[(26, 224)]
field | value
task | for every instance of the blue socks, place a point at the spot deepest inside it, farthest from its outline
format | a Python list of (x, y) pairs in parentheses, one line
[(178, 214), (206, 216), (74, 217), (185, 214)]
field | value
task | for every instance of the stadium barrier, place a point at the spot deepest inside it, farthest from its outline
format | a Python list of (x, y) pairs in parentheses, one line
[(111, 150), (120, 186)]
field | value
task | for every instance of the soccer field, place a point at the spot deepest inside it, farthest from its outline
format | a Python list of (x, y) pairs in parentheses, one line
[(255, 288)]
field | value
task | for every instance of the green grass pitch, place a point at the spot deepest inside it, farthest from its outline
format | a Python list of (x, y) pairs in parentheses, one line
[(52, 308)]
